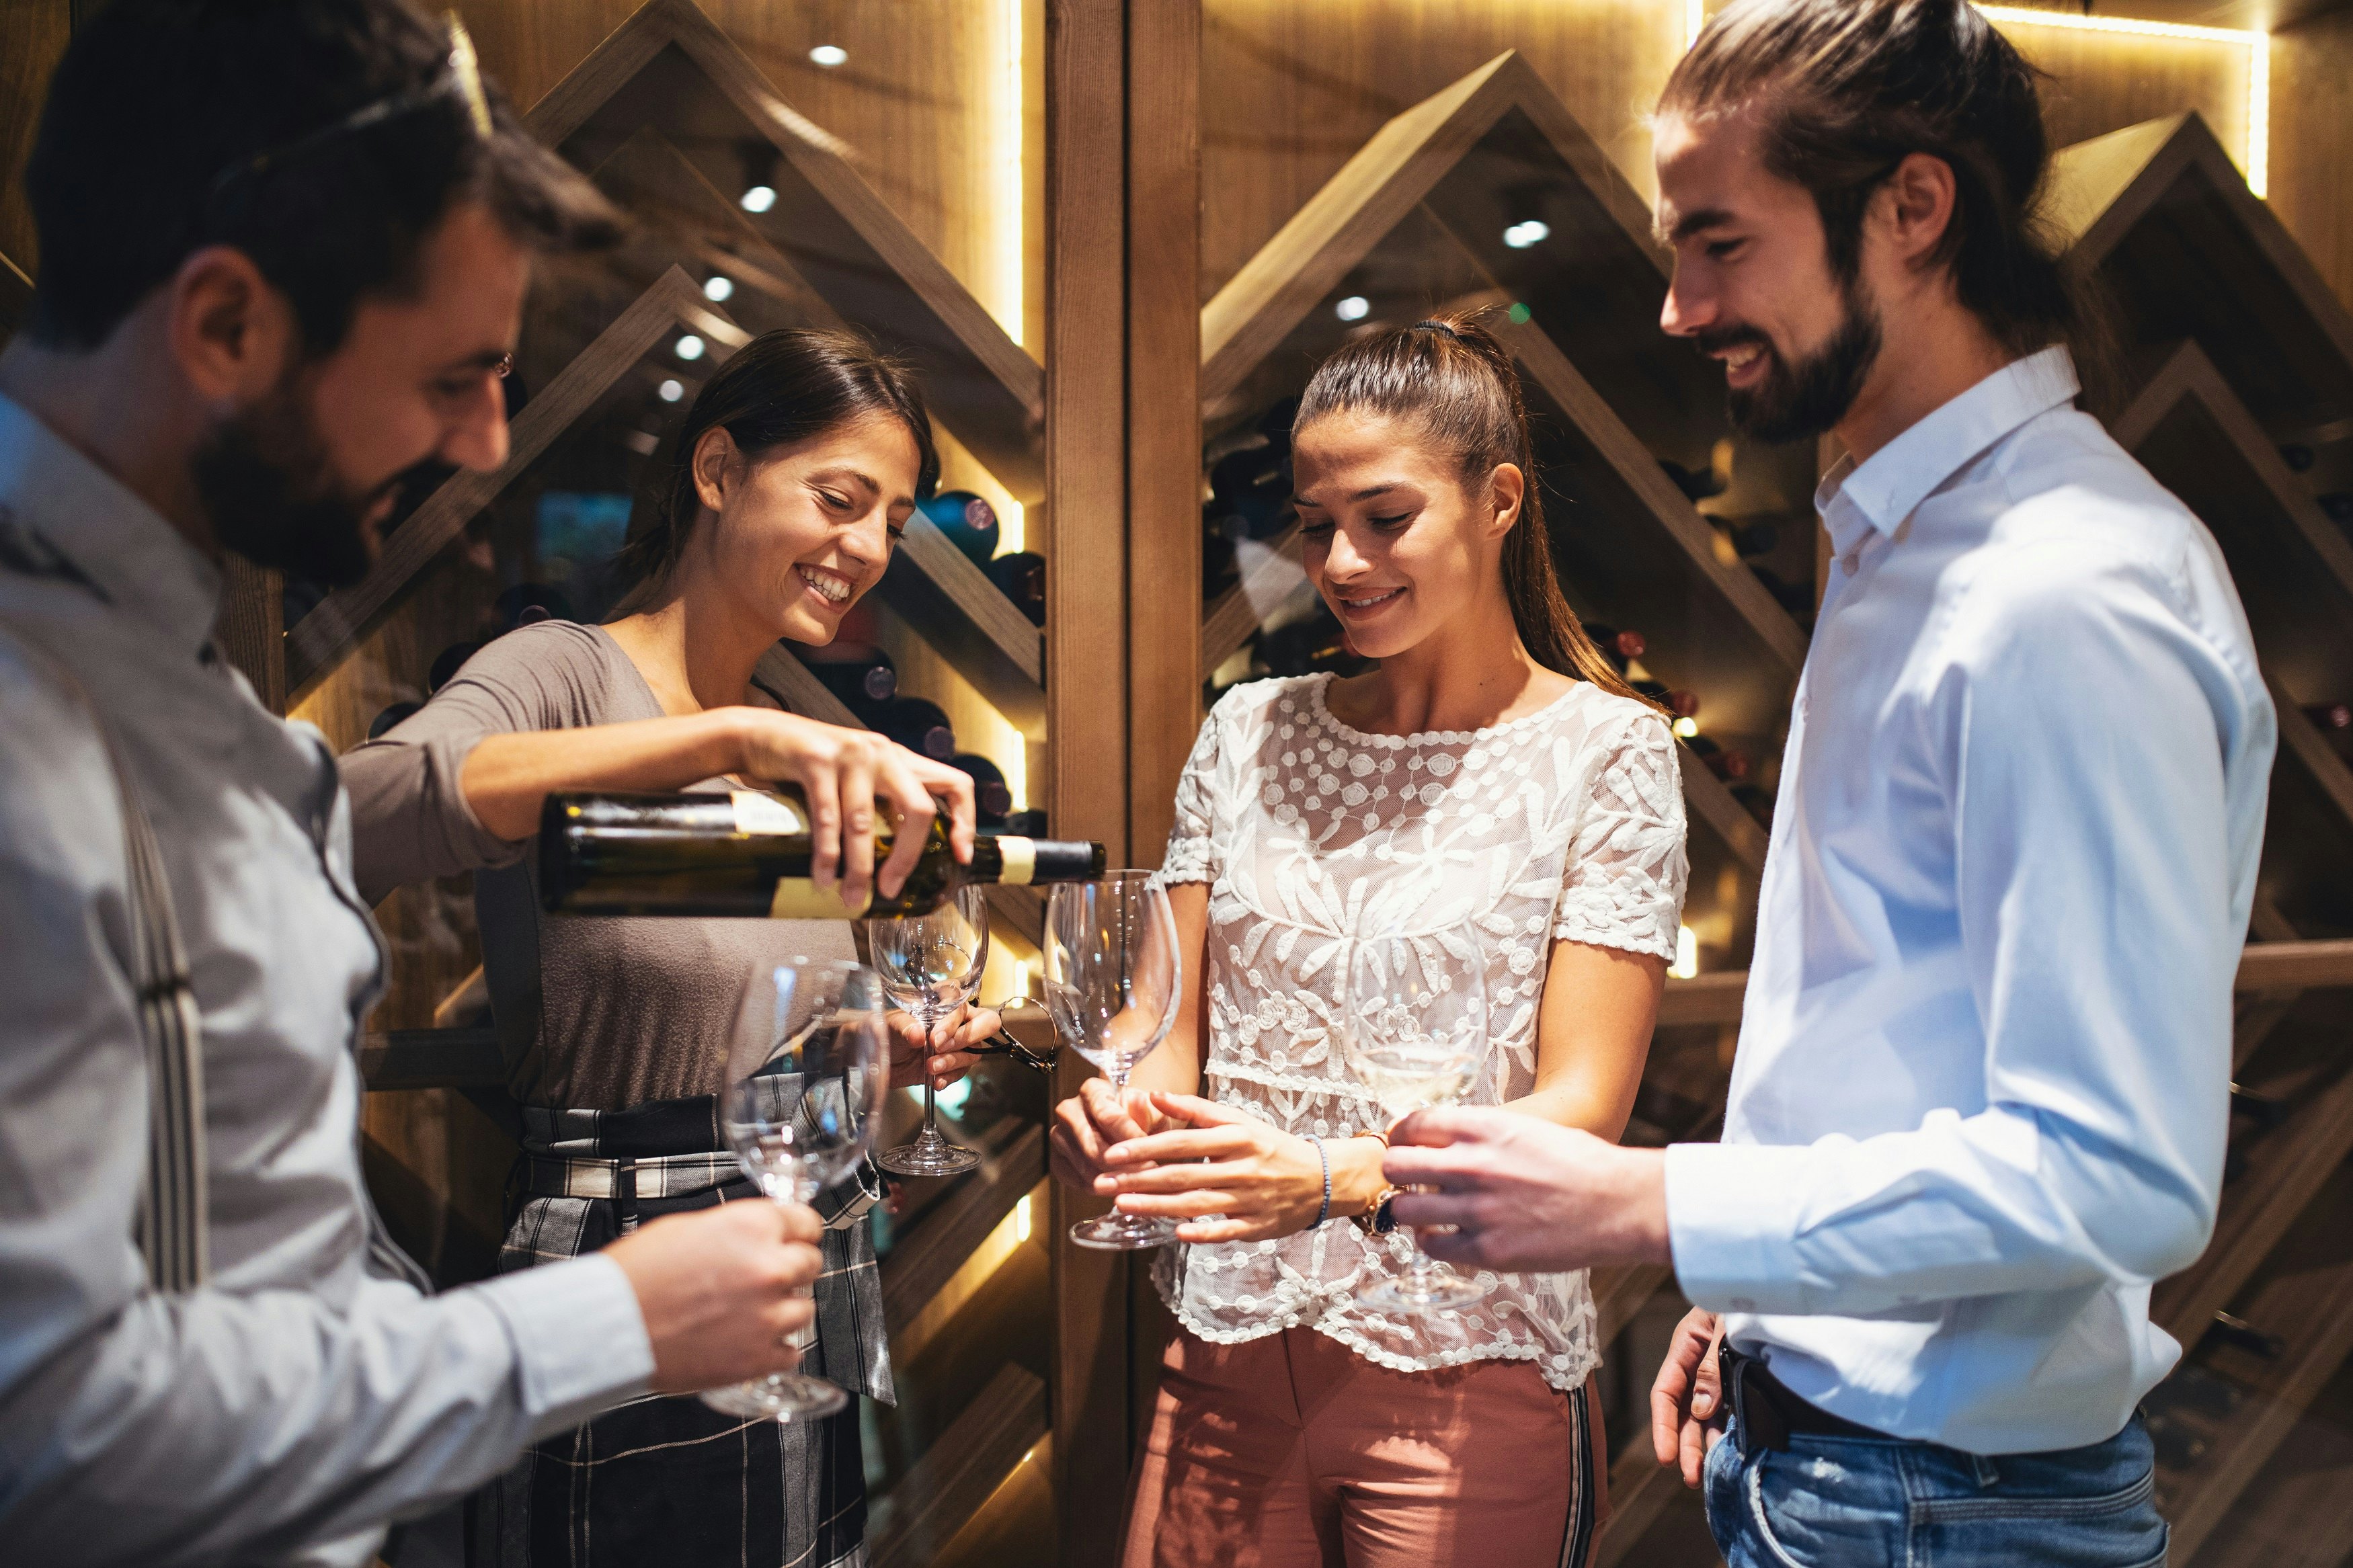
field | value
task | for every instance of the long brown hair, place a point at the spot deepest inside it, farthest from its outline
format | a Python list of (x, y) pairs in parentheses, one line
[(1451, 379), (781, 387)]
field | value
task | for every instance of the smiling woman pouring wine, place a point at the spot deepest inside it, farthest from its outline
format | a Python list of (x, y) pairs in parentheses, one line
[(799, 463)]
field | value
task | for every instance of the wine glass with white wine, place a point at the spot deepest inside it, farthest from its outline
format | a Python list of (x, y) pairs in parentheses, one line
[(799, 1109), (1415, 1029), (1113, 984)]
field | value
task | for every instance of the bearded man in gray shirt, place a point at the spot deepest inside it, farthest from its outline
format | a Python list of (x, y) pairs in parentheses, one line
[(284, 249)]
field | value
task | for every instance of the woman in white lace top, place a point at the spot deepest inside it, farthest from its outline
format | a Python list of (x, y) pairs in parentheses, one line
[(1493, 769)]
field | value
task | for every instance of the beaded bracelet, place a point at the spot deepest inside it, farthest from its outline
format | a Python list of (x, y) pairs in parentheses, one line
[(1323, 1213)]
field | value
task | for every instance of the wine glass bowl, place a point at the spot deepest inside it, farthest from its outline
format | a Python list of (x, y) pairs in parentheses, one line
[(799, 1110), (930, 966), (1113, 984), (1415, 1030)]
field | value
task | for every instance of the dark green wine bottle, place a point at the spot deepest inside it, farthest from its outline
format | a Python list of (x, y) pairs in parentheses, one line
[(749, 854)]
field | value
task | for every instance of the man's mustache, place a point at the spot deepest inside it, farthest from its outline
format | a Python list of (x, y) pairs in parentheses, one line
[(1714, 340)]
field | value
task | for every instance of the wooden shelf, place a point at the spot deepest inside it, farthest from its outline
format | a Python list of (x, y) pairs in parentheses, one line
[(1494, 148), (2158, 214), (2306, 1298), (956, 1474), (670, 66), (322, 639), (915, 1270)]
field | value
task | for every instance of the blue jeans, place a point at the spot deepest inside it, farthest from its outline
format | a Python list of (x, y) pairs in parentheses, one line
[(1881, 1502)]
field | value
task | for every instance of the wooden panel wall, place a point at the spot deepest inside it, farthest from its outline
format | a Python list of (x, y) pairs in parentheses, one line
[(921, 99), (33, 35), (1291, 89), (2312, 142)]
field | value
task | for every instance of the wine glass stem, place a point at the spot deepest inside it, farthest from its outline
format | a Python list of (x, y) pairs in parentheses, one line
[(931, 1096)]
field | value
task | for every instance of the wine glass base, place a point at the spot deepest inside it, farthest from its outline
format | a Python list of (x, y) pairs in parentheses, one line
[(1122, 1233), (1434, 1294), (939, 1159), (783, 1396)]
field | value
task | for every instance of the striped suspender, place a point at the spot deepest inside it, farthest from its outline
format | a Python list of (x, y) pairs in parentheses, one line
[(170, 1224)]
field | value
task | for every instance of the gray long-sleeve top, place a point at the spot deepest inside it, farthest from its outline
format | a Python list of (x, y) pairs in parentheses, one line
[(599, 1013), (308, 1392)]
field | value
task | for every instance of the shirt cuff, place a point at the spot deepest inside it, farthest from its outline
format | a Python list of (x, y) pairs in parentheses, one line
[(579, 1339), (1733, 1215)]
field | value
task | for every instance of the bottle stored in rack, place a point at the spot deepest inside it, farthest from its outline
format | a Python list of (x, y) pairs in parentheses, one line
[(968, 519)]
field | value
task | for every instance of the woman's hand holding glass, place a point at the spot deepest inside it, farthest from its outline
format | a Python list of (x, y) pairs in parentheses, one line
[(1113, 983), (946, 1053), (1256, 1180), (1088, 1123)]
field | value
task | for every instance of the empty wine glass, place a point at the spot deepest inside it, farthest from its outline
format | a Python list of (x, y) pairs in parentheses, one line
[(1415, 1029), (799, 1109), (930, 966), (1113, 980)]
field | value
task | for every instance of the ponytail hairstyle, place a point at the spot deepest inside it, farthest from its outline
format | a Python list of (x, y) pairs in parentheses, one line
[(1450, 379), (781, 387)]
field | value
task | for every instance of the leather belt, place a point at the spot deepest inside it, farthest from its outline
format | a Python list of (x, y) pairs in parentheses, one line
[(1767, 1414)]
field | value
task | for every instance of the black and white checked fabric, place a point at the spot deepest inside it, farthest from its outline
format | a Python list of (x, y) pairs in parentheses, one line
[(670, 1480)]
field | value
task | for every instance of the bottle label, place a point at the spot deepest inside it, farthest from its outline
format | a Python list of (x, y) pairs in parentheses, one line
[(1020, 860), (798, 898), (760, 813)]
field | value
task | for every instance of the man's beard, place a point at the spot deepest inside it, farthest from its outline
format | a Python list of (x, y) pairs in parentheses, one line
[(1793, 403), (272, 495)]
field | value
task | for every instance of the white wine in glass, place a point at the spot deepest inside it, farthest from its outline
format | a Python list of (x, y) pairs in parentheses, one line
[(1112, 983), (1415, 1029), (799, 1110)]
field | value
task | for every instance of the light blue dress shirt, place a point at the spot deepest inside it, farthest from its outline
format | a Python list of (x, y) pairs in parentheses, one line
[(1980, 1096), (309, 1391)]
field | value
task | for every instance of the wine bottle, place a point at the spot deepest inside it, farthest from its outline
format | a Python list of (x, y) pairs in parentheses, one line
[(448, 663), (1021, 576), (2330, 717), (2339, 505), (991, 797), (863, 680), (968, 520), (1619, 647), (527, 603), (750, 854), (918, 725), (1697, 484), (390, 719), (1254, 485), (2297, 456)]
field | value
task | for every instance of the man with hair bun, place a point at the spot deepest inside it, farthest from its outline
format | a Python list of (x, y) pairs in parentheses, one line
[(1979, 1101)]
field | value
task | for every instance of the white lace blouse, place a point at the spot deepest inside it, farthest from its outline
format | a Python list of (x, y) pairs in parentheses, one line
[(1565, 823)]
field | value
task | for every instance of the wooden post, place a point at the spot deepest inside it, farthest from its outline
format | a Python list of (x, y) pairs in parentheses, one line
[(1086, 677), (1164, 368)]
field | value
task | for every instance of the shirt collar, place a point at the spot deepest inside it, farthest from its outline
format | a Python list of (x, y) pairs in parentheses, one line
[(1854, 499), (139, 562)]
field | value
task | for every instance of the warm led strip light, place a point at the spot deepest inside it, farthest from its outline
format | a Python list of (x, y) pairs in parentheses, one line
[(2258, 152)]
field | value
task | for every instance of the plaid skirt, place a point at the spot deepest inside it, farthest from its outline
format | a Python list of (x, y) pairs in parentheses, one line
[(665, 1480)]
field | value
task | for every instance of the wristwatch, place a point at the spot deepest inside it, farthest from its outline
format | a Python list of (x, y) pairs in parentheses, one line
[(1379, 1220)]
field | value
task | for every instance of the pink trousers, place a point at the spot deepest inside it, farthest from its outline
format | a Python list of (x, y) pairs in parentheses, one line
[(1292, 1451)]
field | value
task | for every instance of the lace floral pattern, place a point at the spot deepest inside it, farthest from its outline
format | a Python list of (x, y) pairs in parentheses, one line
[(1565, 823)]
